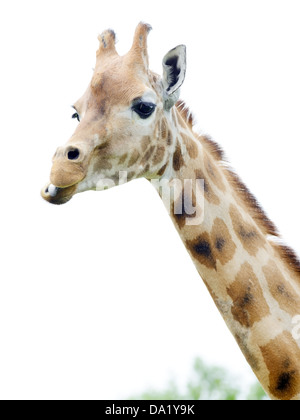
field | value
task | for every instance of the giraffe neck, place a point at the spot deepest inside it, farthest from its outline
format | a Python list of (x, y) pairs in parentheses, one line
[(230, 242)]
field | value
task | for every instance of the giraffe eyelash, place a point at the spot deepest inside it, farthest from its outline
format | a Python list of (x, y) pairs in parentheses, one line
[(76, 116), (144, 109)]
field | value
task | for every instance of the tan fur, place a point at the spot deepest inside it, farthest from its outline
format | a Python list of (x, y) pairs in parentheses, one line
[(208, 191), (282, 291), (213, 172), (249, 305), (282, 357), (222, 244)]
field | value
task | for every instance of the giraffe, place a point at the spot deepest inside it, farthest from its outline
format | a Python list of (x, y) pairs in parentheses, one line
[(132, 122)]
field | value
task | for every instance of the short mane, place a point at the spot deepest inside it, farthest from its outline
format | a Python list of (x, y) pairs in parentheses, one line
[(257, 212)]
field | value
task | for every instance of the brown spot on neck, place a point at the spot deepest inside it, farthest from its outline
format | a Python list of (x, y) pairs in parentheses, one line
[(209, 249), (249, 304), (281, 289), (178, 160), (201, 250), (224, 247), (282, 358), (250, 237)]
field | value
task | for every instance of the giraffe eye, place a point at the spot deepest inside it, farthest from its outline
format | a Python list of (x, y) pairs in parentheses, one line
[(144, 109), (76, 116)]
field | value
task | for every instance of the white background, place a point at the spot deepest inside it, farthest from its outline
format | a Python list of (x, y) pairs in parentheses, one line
[(99, 298)]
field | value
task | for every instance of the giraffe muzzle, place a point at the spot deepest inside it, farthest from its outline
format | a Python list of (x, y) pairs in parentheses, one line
[(56, 195), (69, 169), (69, 166)]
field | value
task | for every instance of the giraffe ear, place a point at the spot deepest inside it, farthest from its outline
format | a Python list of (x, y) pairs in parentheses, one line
[(174, 66)]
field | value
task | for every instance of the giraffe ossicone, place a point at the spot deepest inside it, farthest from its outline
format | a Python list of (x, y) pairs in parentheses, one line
[(132, 125)]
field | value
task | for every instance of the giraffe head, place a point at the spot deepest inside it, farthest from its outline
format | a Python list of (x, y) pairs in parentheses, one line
[(123, 121)]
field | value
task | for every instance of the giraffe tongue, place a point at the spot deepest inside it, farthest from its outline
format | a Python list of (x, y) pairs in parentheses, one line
[(53, 190)]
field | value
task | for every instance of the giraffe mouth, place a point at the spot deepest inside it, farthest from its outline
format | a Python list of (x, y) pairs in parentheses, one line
[(58, 195)]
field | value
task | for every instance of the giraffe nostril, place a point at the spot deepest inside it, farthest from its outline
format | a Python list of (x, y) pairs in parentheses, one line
[(73, 154)]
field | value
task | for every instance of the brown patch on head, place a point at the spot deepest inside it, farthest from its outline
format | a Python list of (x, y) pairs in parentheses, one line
[(191, 146), (178, 160), (134, 158), (102, 107), (162, 170), (210, 196), (101, 160), (145, 143), (201, 250), (163, 129), (147, 155), (146, 170), (158, 155), (224, 247), (131, 176), (249, 304), (214, 172), (282, 358), (170, 138), (281, 290), (123, 159), (248, 233), (104, 164)]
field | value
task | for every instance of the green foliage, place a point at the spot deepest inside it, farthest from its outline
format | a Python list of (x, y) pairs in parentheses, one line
[(206, 383), (257, 393), (210, 383)]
